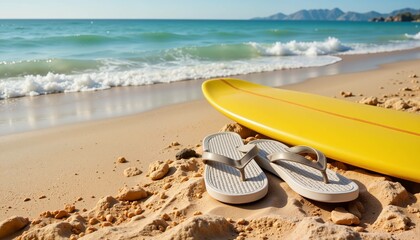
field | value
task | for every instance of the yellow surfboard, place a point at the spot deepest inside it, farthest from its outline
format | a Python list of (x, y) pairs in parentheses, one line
[(377, 139)]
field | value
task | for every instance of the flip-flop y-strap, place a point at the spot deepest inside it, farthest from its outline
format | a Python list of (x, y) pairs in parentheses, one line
[(250, 151), (293, 154)]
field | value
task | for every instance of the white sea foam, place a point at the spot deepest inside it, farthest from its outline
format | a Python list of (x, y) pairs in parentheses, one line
[(330, 46), (32, 85), (415, 36), (114, 72), (363, 48), (333, 46)]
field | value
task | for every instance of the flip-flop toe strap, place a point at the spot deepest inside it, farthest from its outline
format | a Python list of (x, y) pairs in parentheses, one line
[(293, 154), (250, 151)]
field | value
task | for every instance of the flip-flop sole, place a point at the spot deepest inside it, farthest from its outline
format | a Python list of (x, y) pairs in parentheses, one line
[(223, 182)]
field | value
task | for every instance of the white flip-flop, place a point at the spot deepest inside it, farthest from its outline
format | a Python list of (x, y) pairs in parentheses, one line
[(309, 179), (230, 174)]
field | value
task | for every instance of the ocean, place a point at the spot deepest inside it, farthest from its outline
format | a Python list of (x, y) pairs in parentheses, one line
[(39, 57)]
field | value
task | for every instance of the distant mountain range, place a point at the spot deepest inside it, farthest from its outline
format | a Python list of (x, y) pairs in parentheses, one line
[(335, 15)]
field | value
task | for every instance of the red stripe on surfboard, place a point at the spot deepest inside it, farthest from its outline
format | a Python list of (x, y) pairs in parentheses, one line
[(320, 110)]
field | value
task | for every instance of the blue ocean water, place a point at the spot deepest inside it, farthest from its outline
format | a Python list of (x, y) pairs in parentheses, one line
[(53, 56)]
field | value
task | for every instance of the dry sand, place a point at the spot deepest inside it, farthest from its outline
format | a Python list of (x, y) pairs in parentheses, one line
[(94, 179)]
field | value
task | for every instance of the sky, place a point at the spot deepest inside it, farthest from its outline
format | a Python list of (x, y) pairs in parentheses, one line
[(185, 9)]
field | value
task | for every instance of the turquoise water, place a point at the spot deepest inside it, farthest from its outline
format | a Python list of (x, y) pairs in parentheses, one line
[(53, 56)]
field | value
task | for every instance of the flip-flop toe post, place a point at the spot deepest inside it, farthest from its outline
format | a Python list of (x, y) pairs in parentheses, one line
[(231, 174), (311, 179)]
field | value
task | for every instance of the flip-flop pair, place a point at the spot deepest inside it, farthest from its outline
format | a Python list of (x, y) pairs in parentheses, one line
[(233, 175)]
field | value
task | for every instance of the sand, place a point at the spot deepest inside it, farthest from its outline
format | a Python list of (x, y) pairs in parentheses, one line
[(94, 179)]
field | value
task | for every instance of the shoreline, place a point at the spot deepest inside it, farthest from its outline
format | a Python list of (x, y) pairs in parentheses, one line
[(78, 163), (30, 113)]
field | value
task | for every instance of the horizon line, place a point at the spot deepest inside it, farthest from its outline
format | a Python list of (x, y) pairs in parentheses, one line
[(234, 19)]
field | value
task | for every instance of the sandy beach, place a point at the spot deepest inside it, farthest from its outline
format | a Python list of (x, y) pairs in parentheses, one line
[(71, 181)]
